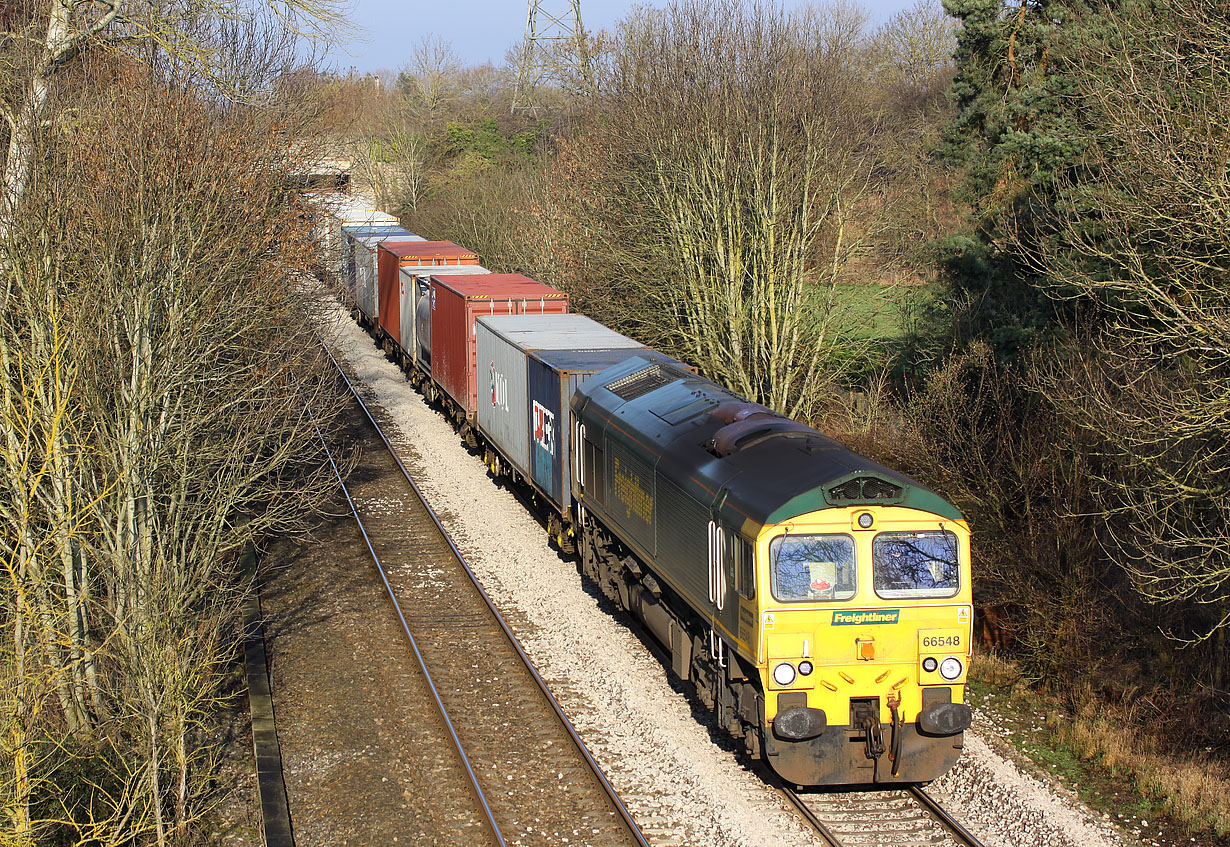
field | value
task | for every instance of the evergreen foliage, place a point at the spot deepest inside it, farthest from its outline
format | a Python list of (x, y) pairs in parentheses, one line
[(1018, 135)]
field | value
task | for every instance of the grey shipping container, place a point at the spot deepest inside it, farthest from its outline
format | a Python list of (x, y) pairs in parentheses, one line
[(553, 377), (507, 416), (367, 292)]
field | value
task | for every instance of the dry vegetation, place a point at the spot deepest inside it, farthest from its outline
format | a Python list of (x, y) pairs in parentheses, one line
[(156, 370), (732, 174)]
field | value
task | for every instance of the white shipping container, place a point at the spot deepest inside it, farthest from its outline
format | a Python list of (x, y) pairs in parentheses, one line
[(333, 210), (351, 216), (504, 343)]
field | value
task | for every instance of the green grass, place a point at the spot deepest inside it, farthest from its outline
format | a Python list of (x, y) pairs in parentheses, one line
[(871, 311), (877, 312)]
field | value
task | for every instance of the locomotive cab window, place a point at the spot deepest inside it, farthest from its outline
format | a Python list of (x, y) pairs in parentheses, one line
[(915, 564), (739, 562), (812, 568), (595, 467)]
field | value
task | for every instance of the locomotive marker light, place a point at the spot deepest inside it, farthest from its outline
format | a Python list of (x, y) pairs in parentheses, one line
[(951, 668), (805, 668), (930, 664), (784, 674), (865, 520)]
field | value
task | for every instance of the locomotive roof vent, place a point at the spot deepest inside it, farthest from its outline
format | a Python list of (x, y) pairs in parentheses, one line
[(753, 430), (641, 382), (863, 488)]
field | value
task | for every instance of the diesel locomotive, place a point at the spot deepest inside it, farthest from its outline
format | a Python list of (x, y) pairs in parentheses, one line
[(819, 602)]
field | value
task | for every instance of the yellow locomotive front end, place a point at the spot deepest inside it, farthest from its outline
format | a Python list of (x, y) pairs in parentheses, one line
[(863, 644)]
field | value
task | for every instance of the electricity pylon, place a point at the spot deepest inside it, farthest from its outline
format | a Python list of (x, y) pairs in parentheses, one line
[(555, 49)]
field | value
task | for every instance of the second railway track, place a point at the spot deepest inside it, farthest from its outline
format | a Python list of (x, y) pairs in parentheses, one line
[(529, 768)]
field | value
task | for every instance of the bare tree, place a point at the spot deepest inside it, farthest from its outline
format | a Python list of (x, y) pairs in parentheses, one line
[(431, 82), (723, 189), (157, 373), (55, 35), (1144, 245), (914, 48)]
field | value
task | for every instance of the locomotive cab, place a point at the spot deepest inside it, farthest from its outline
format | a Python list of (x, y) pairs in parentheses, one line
[(864, 644)]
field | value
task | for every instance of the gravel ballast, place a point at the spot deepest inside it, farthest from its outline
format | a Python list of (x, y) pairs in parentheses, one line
[(677, 773)]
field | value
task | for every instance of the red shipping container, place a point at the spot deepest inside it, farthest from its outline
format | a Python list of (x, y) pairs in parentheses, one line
[(405, 254), (457, 302)]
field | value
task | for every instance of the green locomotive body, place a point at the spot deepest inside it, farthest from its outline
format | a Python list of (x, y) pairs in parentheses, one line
[(811, 594)]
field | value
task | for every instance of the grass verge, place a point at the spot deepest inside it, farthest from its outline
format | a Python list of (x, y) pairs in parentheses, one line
[(1099, 752)]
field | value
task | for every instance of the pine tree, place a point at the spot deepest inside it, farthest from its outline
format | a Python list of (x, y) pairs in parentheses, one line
[(1018, 135)]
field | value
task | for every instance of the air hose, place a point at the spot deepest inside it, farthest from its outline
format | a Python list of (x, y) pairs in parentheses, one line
[(898, 731)]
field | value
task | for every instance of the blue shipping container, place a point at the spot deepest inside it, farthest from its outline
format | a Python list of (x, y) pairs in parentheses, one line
[(350, 235), (553, 377)]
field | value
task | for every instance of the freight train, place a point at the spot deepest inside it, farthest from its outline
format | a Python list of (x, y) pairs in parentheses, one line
[(820, 603)]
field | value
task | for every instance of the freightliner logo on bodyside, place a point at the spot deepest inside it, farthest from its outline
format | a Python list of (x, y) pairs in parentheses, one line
[(872, 617)]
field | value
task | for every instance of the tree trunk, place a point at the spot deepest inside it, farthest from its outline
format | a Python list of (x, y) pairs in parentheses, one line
[(23, 132)]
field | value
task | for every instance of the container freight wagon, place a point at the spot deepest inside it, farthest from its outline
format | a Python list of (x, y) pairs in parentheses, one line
[(395, 255), (507, 416), (524, 395), (414, 286), (456, 303), (348, 212), (331, 211), (367, 272), (350, 235)]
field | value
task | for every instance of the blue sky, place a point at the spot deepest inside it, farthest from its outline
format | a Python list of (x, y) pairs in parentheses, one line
[(479, 30)]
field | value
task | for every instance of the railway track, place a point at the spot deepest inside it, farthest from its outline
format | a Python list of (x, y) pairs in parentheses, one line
[(528, 778), (906, 817)]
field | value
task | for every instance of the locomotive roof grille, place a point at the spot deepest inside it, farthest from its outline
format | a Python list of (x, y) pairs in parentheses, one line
[(863, 488), (641, 382)]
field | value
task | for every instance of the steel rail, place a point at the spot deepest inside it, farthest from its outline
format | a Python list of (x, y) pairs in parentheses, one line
[(475, 788), (943, 817), (818, 825), (624, 814), (937, 812)]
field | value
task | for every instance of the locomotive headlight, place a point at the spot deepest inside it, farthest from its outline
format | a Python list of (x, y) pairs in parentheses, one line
[(805, 668), (951, 668), (784, 674), (930, 664)]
